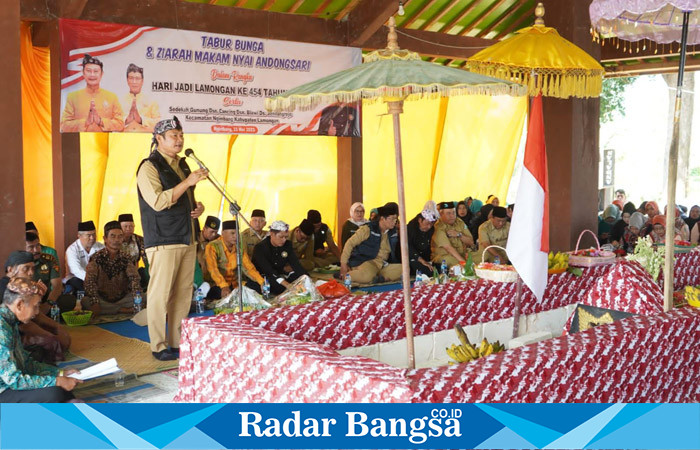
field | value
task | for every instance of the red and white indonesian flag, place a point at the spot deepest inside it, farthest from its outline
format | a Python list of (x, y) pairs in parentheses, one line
[(528, 240)]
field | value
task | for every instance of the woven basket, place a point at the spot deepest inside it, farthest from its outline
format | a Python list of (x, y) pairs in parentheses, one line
[(73, 320), (499, 276), (590, 261)]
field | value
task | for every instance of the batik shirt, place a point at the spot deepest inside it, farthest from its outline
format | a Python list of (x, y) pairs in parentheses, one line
[(18, 370), (110, 279)]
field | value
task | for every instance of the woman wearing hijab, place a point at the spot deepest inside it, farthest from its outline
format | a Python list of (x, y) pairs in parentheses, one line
[(605, 224), (681, 227), (493, 200), (631, 233), (693, 216), (619, 228), (475, 207), (482, 216), (356, 220), (463, 212), (658, 232)]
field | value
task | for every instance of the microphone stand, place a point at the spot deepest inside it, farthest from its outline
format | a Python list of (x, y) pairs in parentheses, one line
[(235, 210)]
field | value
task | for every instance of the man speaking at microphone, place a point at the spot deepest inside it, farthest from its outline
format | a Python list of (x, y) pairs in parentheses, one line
[(168, 215)]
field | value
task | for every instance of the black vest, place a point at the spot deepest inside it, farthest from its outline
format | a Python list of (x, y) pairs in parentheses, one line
[(172, 225), (367, 249)]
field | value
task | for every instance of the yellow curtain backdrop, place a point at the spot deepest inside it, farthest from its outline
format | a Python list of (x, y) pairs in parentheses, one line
[(479, 147), (420, 129), (286, 176), (283, 175), (452, 148), (36, 136)]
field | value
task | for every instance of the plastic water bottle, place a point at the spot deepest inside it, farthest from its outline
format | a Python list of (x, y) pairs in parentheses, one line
[(497, 260), (347, 282), (55, 313), (419, 276), (199, 302), (443, 267), (266, 288), (138, 302)]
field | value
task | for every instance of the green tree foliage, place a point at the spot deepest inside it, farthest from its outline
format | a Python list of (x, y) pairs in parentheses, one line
[(612, 99)]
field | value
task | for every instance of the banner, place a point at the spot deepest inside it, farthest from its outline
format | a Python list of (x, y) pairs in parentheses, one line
[(125, 78), (217, 426)]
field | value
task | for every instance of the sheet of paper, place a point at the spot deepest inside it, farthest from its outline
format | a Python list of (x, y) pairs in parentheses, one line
[(98, 370)]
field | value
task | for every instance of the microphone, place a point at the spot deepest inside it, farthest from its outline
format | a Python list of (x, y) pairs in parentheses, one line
[(190, 154)]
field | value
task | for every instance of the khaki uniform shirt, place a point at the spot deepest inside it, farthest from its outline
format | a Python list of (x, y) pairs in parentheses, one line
[(361, 235), (303, 250), (249, 240), (440, 239), (152, 190), (489, 235)]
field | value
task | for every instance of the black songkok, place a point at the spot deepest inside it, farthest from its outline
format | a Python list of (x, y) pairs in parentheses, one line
[(258, 213), (229, 225), (313, 216), (212, 222), (86, 226), (126, 218), (499, 211), (112, 225), (446, 205), (306, 227)]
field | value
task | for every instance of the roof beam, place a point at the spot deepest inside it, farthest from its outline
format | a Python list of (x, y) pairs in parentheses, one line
[(440, 14), (202, 17), (518, 23), (69, 8), (650, 68), (368, 17), (430, 43), (481, 15), (345, 11), (418, 13), (448, 26)]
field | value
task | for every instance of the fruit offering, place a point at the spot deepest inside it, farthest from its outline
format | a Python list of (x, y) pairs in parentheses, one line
[(591, 252), (466, 352), (558, 261)]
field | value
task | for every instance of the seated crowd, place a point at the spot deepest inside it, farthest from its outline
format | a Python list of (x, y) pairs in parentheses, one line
[(104, 277), (622, 223)]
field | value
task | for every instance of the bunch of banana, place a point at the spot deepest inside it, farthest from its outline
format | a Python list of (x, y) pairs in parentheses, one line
[(558, 261), (466, 352)]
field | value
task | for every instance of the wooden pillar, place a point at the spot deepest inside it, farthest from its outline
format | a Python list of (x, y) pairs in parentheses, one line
[(66, 160), (349, 178), (572, 134), (11, 185)]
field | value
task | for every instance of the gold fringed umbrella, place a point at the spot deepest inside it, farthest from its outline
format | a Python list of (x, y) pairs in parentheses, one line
[(393, 75), (540, 58)]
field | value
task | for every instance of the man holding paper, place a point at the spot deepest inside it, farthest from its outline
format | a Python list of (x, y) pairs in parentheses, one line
[(22, 379)]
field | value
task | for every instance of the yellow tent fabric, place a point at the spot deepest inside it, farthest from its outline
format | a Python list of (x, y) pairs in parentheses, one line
[(452, 148), (36, 135), (283, 175), (479, 147)]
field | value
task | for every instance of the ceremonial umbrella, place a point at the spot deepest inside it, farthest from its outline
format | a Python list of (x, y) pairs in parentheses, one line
[(543, 60), (662, 21), (551, 66), (393, 75)]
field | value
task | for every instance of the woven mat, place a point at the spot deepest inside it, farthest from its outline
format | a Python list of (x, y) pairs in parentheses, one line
[(133, 355), (102, 318)]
